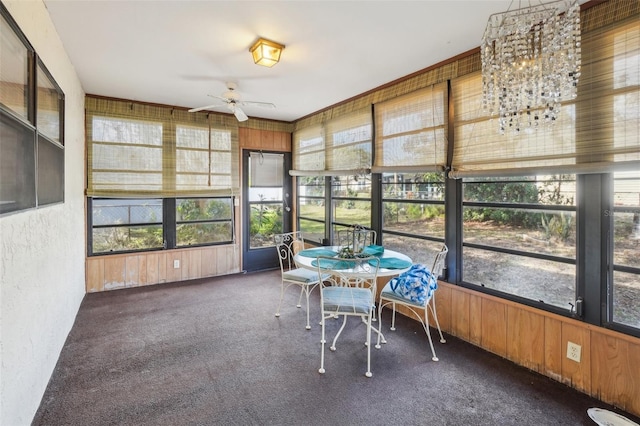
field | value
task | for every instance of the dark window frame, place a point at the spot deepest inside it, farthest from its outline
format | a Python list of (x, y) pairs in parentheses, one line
[(35, 66), (169, 225)]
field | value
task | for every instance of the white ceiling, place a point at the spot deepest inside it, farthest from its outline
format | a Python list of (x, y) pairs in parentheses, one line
[(176, 52)]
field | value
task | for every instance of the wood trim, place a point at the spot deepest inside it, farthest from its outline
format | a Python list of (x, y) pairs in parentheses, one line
[(267, 140), (136, 270)]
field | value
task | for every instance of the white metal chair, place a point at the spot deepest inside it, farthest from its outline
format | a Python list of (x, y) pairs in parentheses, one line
[(350, 291), (388, 296), (288, 244)]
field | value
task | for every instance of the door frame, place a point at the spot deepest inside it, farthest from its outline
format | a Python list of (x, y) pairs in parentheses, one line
[(263, 258)]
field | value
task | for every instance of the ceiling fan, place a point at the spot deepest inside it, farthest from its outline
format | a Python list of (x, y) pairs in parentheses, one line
[(232, 101)]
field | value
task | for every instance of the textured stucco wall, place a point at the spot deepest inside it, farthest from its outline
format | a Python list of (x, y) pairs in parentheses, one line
[(42, 251)]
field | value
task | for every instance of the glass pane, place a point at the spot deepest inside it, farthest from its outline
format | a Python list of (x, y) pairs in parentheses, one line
[(202, 209), (351, 186), (420, 251), (545, 232), (312, 208), (265, 221), (415, 186), (48, 112), (14, 68), (265, 194), (536, 279), (626, 247), (357, 210), (127, 238), (202, 233), (125, 212), (50, 172), (193, 209), (414, 218), (17, 166), (144, 216), (626, 294), (352, 212), (556, 190), (312, 231), (626, 250)]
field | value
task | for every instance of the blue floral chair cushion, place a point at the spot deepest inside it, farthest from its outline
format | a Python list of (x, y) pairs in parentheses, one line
[(417, 284)]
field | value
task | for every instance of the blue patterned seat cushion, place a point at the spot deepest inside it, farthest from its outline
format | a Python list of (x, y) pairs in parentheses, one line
[(415, 285), (352, 300)]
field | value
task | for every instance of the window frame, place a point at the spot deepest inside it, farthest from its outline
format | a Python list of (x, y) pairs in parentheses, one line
[(53, 178), (169, 224)]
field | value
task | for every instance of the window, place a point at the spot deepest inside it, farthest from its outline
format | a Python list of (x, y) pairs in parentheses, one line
[(413, 214), (15, 68), (50, 172), (411, 131), (340, 146), (519, 237), (337, 153), (49, 106), (17, 166), (626, 249), (158, 178), (126, 225), (202, 221), (31, 139), (311, 208), (135, 150), (125, 155), (411, 147), (350, 201)]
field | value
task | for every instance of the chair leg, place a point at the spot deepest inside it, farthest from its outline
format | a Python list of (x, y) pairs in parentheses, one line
[(432, 306), (299, 305), (393, 317), (425, 325), (369, 373), (321, 370), (380, 335), (335, 339), (307, 290)]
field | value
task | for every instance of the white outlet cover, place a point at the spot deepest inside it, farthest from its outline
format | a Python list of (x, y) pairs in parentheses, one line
[(574, 351)]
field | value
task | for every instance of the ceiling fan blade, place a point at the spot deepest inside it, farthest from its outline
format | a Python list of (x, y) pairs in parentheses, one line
[(222, 98), (240, 115), (204, 107), (258, 104)]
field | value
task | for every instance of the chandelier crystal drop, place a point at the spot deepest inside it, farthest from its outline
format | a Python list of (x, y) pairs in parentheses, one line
[(531, 63)]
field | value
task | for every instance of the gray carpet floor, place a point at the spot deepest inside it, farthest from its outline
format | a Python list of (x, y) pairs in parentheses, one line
[(211, 352)]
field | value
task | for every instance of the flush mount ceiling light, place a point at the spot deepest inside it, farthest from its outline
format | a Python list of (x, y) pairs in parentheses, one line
[(266, 52), (531, 63)]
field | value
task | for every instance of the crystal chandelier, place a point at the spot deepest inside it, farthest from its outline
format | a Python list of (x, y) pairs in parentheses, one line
[(530, 63)]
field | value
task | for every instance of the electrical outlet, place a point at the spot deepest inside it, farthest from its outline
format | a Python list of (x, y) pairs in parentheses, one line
[(573, 351), (176, 264)]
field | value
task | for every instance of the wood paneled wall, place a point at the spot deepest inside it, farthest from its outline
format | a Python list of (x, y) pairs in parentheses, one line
[(141, 269), (609, 368), (264, 139)]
